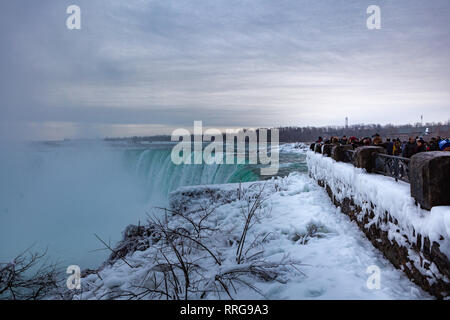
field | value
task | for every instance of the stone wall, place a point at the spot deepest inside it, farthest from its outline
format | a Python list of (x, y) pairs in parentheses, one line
[(422, 261), (418, 255), (430, 178)]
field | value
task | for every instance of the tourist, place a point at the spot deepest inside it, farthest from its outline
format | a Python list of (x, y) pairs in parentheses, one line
[(377, 141), (444, 145), (420, 146), (409, 148), (397, 148), (389, 147), (434, 144), (393, 147), (367, 141)]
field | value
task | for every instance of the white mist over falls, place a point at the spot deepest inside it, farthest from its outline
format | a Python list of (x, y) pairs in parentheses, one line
[(58, 195)]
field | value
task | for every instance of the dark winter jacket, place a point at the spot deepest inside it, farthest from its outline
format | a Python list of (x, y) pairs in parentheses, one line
[(409, 150), (390, 148), (421, 148)]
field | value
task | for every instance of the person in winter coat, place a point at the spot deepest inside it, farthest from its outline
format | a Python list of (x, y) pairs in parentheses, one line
[(444, 145), (389, 147), (377, 141), (432, 145), (420, 146), (366, 141), (354, 141), (335, 141), (397, 148), (409, 148)]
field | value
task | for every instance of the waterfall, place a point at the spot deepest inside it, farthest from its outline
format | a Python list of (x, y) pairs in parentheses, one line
[(59, 197), (159, 176)]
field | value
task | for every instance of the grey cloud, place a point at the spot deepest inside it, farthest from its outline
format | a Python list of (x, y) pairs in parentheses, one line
[(228, 63)]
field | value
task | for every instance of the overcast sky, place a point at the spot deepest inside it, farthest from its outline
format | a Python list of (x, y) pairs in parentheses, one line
[(147, 67)]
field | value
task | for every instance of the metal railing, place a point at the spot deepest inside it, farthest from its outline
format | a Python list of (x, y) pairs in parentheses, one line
[(392, 166)]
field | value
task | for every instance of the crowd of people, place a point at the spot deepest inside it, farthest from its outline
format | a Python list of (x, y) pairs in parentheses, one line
[(394, 147)]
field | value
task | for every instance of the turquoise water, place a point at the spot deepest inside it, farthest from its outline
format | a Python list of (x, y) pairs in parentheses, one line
[(57, 196)]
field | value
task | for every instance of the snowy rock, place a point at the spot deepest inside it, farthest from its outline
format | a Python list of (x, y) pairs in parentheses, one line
[(112, 282), (338, 152), (364, 157), (430, 178), (326, 149)]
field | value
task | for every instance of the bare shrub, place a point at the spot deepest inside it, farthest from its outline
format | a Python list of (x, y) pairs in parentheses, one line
[(312, 231), (187, 260), (29, 277)]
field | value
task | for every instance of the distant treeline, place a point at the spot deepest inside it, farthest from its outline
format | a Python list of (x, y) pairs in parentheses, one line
[(137, 139), (309, 134)]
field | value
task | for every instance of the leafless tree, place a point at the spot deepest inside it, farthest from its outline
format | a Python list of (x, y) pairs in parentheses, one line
[(29, 276), (186, 263)]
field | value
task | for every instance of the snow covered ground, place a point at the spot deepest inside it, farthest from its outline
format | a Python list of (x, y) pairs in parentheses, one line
[(298, 222), (337, 262)]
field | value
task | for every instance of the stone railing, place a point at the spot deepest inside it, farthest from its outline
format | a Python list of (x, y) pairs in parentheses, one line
[(428, 173)]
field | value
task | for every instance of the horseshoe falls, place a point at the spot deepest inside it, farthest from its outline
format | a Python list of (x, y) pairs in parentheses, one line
[(59, 195)]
